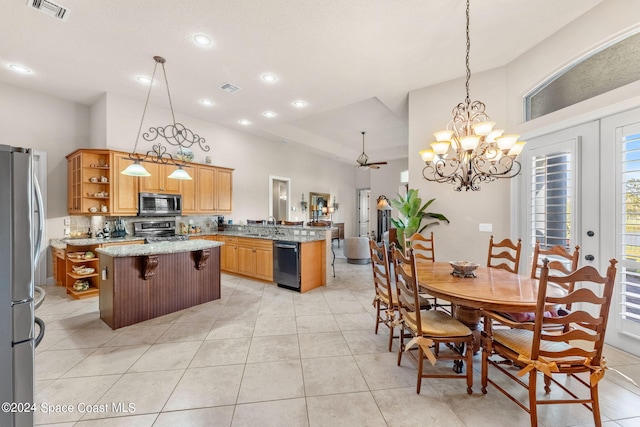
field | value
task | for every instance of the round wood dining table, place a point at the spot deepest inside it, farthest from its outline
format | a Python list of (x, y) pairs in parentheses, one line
[(492, 289)]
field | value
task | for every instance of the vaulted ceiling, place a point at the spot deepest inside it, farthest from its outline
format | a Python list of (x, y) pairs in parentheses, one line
[(352, 61)]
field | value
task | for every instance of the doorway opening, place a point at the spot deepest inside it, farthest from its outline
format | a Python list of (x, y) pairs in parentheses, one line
[(279, 200), (364, 195)]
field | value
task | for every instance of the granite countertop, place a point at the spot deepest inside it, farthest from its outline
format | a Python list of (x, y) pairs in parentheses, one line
[(284, 237), (158, 248), (258, 232), (62, 243)]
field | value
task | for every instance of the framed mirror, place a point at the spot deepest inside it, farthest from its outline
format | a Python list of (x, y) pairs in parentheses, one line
[(317, 201)]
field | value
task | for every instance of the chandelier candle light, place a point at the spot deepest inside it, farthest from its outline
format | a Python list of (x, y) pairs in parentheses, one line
[(469, 151), (174, 134)]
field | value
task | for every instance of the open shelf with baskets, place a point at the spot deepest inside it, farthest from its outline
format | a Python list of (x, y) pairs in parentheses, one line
[(82, 278)]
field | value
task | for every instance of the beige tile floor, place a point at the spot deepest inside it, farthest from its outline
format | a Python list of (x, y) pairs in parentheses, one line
[(265, 356)]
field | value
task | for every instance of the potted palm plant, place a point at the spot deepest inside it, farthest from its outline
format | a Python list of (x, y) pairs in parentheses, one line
[(411, 213)]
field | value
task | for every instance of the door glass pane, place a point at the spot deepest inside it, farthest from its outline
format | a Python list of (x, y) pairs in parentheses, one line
[(629, 210), (551, 201)]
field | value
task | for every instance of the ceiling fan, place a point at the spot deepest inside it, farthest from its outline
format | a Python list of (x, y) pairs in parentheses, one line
[(363, 159)]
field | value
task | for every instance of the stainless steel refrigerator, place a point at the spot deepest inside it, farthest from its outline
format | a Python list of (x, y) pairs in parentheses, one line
[(18, 252)]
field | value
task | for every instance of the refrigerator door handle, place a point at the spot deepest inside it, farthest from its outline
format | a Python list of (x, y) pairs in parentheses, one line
[(38, 245)]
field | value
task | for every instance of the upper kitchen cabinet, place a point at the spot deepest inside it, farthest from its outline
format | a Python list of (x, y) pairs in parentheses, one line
[(188, 189), (214, 189), (224, 187), (89, 182), (124, 197), (96, 186), (159, 182)]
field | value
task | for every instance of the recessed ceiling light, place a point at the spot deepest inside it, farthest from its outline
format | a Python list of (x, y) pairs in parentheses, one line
[(269, 114), (207, 102), (144, 79), (202, 40), (269, 77), (20, 69), (244, 122), (299, 103)]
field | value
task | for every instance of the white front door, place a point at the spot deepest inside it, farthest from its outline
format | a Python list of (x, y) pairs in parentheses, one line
[(558, 197), (581, 186), (620, 156)]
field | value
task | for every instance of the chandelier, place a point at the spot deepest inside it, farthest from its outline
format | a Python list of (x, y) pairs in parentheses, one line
[(470, 151), (174, 134)]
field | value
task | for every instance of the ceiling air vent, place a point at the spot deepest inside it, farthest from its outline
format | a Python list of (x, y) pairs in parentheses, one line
[(49, 8), (229, 88)]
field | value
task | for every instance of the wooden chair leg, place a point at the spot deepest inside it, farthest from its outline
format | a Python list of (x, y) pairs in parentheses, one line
[(533, 405), (401, 346), (484, 371), (547, 384), (595, 405), (377, 315), (420, 363), (469, 353), (390, 335)]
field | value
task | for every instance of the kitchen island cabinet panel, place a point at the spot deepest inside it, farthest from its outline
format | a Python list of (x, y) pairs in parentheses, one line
[(138, 288)]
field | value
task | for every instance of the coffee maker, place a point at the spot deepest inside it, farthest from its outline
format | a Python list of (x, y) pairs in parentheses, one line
[(220, 222)]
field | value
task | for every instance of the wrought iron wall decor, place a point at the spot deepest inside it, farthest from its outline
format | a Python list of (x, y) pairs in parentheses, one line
[(175, 134)]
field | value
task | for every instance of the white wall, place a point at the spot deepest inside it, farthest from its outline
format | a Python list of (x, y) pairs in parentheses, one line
[(252, 158), (430, 111), (42, 122)]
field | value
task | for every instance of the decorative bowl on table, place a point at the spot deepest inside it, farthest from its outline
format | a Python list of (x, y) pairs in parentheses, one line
[(463, 268)]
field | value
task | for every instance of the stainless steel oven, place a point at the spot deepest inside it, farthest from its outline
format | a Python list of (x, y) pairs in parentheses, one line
[(286, 264), (157, 204)]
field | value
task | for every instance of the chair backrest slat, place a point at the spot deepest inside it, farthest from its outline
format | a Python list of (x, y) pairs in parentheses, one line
[(380, 266), (423, 247), (585, 326), (405, 272), (560, 261), (512, 254)]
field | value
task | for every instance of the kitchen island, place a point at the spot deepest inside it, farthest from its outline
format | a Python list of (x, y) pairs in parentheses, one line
[(140, 282)]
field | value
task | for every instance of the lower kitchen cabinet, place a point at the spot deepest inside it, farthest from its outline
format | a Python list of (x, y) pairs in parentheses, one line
[(58, 257), (255, 258), (229, 254)]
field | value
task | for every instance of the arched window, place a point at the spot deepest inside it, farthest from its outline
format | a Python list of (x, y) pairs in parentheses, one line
[(610, 67)]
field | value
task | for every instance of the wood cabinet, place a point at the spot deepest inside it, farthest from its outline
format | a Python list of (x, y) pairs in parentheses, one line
[(229, 254), (313, 259), (95, 185), (255, 258), (159, 181), (124, 189), (224, 190), (58, 257), (188, 189), (89, 182), (206, 199)]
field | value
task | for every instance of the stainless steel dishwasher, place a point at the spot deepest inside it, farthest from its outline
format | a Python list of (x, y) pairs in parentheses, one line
[(286, 264)]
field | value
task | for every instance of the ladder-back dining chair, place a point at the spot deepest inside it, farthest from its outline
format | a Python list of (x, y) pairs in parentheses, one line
[(424, 250), (385, 300), (560, 262), (504, 255), (574, 350), (428, 329)]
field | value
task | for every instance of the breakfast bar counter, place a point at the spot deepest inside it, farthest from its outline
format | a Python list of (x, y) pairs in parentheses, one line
[(140, 282)]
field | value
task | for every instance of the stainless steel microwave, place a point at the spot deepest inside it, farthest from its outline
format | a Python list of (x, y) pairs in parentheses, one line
[(155, 204)]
